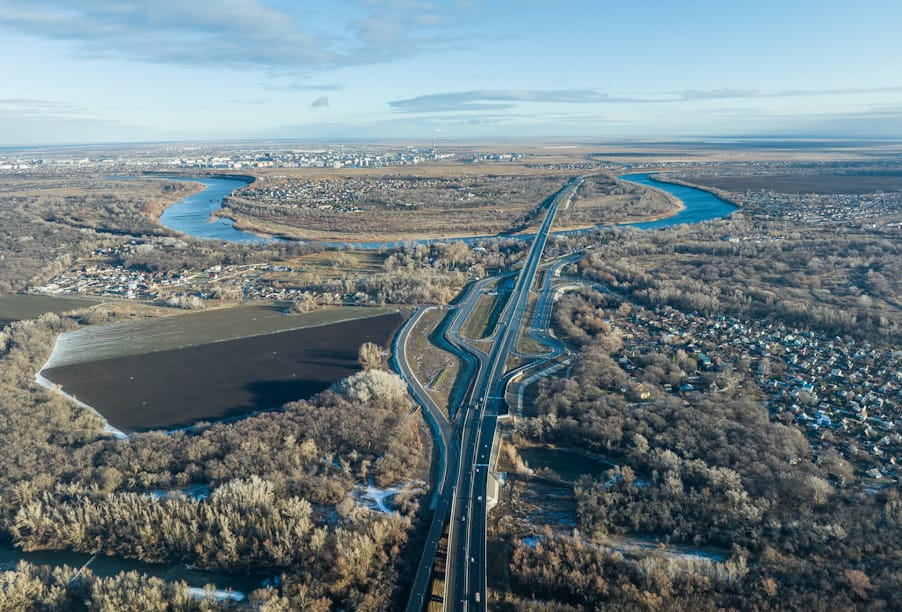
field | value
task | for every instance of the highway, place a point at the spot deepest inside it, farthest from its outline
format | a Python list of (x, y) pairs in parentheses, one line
[(465, 575), (446, 472), (541, 316), (463, 472)]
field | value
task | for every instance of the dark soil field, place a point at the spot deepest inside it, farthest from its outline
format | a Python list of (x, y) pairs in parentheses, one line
[(811, 183), (177, 388), (15, 307)]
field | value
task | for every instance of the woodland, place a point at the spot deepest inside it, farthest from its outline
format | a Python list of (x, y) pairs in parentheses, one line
[(705, 464)]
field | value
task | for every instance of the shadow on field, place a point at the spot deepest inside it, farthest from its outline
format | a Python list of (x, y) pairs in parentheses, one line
[(277, 393)]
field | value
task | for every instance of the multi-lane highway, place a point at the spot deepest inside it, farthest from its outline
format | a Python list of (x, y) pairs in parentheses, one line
[(465, 575), (463, 478)]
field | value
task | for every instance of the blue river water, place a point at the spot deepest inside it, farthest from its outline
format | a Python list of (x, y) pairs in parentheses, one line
[(195, 215), (699, 205)]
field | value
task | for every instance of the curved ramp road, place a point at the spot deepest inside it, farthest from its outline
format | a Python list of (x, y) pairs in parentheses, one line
[(465, 574), (461, 488)]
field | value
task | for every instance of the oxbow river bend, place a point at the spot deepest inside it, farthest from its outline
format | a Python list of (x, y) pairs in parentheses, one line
[(195, 215), (699, 205)]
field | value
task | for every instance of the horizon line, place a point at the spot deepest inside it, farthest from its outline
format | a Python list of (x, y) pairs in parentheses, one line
[(662, 139)]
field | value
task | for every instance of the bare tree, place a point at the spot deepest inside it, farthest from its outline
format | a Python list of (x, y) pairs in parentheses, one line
[(370, 356)]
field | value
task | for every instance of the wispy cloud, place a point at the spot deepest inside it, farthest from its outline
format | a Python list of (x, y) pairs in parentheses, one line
[(231, 33), (501, 99), (302, 86), (28, 107), (479, 100), (724, 94)]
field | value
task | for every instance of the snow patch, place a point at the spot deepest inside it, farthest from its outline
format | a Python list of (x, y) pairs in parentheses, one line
[(49, 384), (218, 594), (377, 499)]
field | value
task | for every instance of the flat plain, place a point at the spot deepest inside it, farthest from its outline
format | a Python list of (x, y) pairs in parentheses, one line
[(15, 307), (846, 183), (176, 388)]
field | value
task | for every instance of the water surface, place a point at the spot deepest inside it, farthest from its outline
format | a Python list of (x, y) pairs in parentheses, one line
[(103, 565), (194, 215), (699, 205)]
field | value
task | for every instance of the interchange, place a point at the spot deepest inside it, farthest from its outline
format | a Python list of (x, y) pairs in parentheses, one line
[(465, 451)]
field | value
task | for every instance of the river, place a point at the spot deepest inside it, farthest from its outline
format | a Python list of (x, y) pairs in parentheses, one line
[(699, 205), (195, 215), (102, 565)]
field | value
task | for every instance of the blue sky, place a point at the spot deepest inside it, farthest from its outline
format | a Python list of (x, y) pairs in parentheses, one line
[(157, 70)]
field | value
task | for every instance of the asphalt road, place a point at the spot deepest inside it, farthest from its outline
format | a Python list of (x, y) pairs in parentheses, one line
[(465, 576), (463, 473), (448, 453)]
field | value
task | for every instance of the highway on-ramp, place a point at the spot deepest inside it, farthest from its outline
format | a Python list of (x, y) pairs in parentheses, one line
[(465, 575), (462, 480)]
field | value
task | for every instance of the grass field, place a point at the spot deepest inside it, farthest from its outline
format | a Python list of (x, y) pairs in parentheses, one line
[(435, 367), (176, 388), (15, 307), (526, 343), (482, 323), (192, 329)]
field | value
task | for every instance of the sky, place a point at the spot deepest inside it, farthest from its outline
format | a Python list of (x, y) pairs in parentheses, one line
[(93, 71)]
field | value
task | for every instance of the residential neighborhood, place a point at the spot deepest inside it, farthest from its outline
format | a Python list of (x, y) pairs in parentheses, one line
[(842, 393)]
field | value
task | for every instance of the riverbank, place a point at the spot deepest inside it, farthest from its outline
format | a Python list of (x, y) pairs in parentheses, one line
[(196, 215), (698, 205), (192, 216)]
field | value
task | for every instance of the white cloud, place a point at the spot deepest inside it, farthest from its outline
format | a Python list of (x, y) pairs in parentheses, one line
[(27, 107), (482, 100), (230, 33)]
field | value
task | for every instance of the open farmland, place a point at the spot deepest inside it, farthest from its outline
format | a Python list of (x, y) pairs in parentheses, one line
[(178, 387), (137, 337), (16, 307), (848, 184)]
